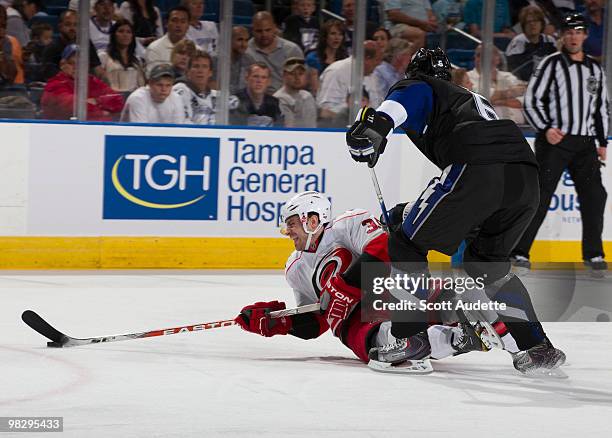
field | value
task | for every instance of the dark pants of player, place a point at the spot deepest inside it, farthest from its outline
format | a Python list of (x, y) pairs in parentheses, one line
[(579, 156), (490, 205)]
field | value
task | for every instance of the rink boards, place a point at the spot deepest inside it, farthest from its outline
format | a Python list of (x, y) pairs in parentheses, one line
[(117, 196)]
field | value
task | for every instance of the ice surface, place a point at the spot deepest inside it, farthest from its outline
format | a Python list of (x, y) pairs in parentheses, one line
[(226, 382)]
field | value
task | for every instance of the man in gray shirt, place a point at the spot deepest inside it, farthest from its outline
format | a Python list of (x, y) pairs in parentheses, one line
[(267, 47), (297, 105)]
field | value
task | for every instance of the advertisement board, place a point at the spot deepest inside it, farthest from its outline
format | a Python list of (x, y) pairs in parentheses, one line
[(91, 180), (114, 180)]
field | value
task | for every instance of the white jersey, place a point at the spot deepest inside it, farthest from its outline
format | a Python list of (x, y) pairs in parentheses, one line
[(200, 108), (343, 241), (205, 35)]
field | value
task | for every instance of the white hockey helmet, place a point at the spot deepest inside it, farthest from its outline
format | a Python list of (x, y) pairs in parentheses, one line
[(304, 203)]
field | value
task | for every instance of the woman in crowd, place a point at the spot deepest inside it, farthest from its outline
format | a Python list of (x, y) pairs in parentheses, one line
[(330, 48), (382, 38), (18, 16), (146, 19), (527, 49), (123, 68)]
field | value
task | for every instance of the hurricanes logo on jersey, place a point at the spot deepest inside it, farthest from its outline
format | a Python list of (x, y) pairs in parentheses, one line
[(333, 263)]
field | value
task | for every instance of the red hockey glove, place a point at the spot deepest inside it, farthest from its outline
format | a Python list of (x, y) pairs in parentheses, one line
[(338, 299), (256, 319)]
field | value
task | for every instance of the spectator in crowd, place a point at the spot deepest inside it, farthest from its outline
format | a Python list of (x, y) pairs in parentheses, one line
[(67, 35), (382, 37), (256, 107), (460, 77), (303, 27), (199, 101), (146, 19), (159, 51), (155, 103), (58, 97), (18, 15), (393, 66), (181, 56), (554, 11), (297, 105), (41, 37), (240, 59), (594, 17), (330, 49), (472, 16), (506, 91), (348, 12), (267, 47), (449, 12), (8, 68), (527, 49), (123, 68), (16, 54), (335, 86), (203, 33), (410, 20), (100, 23)]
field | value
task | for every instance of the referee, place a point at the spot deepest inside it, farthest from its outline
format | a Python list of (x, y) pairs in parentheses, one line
[(566, 102)]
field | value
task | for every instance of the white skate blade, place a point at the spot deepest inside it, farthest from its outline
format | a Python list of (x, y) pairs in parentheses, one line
[(408, 367), (545, 373), (489, 337)]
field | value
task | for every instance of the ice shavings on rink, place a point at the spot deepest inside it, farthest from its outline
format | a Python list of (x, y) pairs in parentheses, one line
[(226, 382)]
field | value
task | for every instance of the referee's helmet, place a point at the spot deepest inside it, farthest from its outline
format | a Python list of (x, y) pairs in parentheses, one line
[(430, 62), (574, 20)]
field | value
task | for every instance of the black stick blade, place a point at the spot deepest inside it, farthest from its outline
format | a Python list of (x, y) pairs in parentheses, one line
[(43, 327)]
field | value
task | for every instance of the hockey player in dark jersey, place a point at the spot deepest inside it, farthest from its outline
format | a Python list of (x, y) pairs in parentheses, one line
[(487, 194)]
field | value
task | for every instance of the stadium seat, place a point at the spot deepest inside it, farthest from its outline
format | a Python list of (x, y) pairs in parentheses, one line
[(457, 41), (243, 20), (57, 3), (52, 20), (461, 58)]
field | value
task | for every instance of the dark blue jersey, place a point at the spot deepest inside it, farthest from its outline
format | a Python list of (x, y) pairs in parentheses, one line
[(452, 125)]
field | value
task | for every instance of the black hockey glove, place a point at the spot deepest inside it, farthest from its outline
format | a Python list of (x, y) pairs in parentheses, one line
[(367, 137), (397, 215)]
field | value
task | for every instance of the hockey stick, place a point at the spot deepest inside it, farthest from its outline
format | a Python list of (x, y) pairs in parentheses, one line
[(381, 200), (59, 339)]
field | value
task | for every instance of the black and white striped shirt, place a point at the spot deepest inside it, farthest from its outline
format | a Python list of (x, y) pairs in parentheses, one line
[(570, 96)]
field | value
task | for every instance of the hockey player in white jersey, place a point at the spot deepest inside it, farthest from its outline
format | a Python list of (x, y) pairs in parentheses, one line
[(326, 266)]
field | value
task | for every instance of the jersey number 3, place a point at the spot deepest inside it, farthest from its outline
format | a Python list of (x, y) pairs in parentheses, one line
[(485, 109), (371, 225)]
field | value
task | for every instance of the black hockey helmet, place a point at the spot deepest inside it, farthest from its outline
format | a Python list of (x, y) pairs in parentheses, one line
[(574, 20), (430, 62)]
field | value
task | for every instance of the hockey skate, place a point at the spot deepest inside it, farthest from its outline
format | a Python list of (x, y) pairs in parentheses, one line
[(541, 360), (520, 264), (404, 356), (597, 266), (465, 339)]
